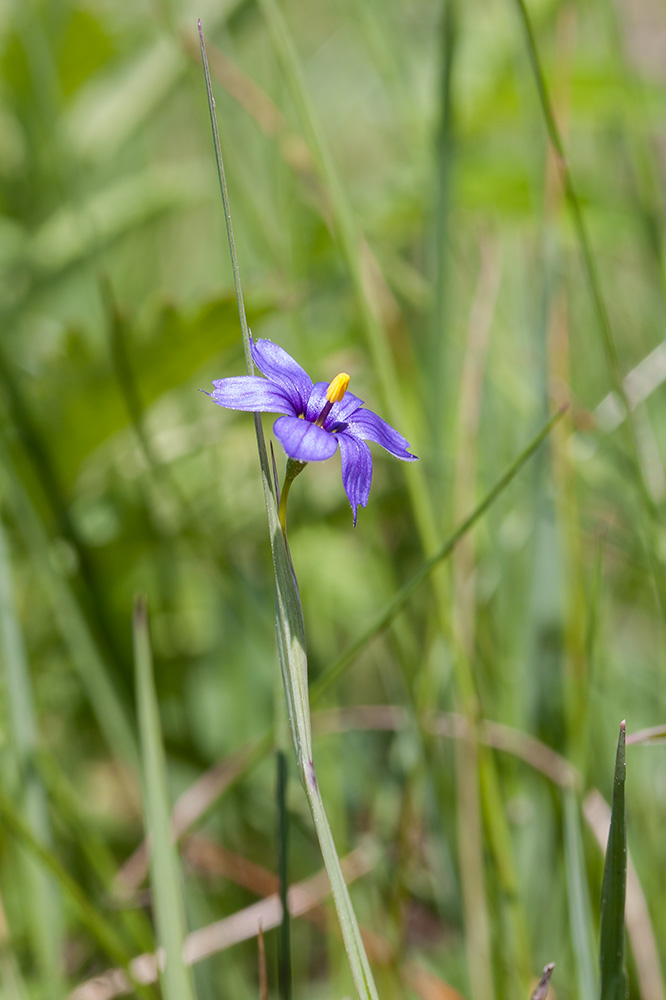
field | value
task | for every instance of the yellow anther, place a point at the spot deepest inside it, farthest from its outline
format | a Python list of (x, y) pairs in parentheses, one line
[(337, 388)]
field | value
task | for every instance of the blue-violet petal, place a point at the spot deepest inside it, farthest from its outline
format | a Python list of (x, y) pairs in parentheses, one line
[(367, 425), (280, 367), (304, 441), (356, 469), (249, 392)]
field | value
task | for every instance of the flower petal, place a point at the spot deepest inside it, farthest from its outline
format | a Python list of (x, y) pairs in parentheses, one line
[(280, 367), (342, 411), (338, 413), (304, 441), (369, 427), (317, 401), (249, 392), (356, 469)]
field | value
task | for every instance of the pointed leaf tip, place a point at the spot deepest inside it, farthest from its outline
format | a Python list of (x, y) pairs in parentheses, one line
[(614, 888)]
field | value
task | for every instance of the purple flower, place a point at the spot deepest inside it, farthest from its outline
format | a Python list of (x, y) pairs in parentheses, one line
[(317, 419)]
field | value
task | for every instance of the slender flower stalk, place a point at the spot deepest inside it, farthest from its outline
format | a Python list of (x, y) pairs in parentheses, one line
[(294, 468), (290, 627)]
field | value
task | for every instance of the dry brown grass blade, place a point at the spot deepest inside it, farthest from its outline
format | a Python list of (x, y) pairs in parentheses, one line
[(453, 726), (655, 734), (302, 899), (199, 798), (205, 856), (188, 808)]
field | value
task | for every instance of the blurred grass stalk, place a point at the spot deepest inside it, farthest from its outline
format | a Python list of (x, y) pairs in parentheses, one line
[(175, 976), (290, 629), (84, 648), (43, 917), (652, 528)]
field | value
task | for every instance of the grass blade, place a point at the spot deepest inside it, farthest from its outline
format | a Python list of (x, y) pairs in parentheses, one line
[(165, 876), (611, 950), (44, 916)]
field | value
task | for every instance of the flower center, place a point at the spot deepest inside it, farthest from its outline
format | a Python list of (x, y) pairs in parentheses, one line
[(334, 394)]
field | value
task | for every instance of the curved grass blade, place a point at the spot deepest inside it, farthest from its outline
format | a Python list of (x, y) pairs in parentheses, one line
[(614, 891)]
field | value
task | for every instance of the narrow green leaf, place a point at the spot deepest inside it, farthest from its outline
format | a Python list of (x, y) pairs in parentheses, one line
[(614, 891), (169, 909)]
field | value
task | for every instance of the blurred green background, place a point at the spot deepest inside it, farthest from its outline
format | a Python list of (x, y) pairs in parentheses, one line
[(399, 215)]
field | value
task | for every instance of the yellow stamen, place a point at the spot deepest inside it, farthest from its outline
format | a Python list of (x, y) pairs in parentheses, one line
[(337, 388)]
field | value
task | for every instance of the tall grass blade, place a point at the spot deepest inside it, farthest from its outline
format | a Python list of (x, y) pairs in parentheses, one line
[(614, 891), (176, 977), (290, 630), (44, 913)]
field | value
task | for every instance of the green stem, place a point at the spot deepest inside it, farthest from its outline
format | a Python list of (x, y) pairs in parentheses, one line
[(291, 630), (351, 934), (294, 468)]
